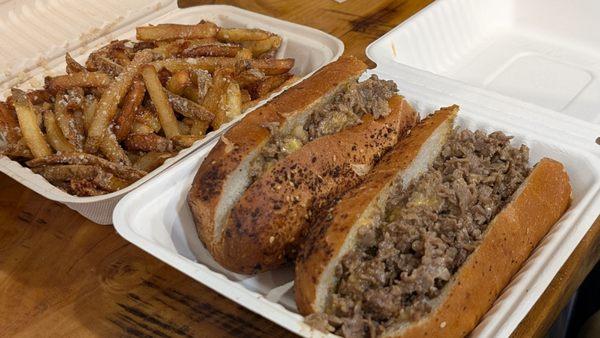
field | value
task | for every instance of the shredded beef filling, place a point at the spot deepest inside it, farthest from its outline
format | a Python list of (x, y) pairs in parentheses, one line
[(401, 265), (344, 110)]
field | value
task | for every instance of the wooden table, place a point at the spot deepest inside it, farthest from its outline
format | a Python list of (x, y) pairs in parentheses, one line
[(63, 275)]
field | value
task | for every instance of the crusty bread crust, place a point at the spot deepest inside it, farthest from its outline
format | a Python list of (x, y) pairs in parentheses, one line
[(511, 237), (270, 219), (225, 169), (334, 237)]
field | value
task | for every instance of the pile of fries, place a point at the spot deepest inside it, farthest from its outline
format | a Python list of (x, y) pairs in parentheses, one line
[(107, 123)]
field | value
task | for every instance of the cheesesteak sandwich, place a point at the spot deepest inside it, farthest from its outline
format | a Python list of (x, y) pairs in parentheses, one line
[(256, 192), (426, 244)]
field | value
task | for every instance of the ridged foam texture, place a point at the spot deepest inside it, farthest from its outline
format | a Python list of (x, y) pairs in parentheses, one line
[(156, 217), (48, 29)]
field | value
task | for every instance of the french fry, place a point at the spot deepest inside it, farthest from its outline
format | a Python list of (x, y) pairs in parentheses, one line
[(199, 128), (211, 50), (34, 138), (110, 147), (120, 57), (177, 83), (232, 101), (214, 97), (273, 66), (249, 77), (148, 142), (174, 31), (66, 121), (38, 96), (81, 79), (203, 81), (103, 64), (189, 108), (55, 136), (270, 83), (90, 104), (241, 34), (244, 54), (168, 49), (140, 128), (73, 66), (125, 172), (17, 150), (152, 160), (185, 141), (249, 104), (258, 47), (191, 93), (81, 187), (148, 118), (110, 183), (111, 97), (66, 172), (75, 97), (132, 101), (184, 128), (160, 101), (208, 63), (9, 125)]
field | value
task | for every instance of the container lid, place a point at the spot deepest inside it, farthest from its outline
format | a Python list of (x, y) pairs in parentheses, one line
[(545, 52), (38, 31)]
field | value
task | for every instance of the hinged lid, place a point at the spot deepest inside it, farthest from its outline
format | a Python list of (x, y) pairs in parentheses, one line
[(546, 52)]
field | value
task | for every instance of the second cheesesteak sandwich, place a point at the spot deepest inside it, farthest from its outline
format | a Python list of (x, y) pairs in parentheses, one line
[(427, 243), (256, 193)]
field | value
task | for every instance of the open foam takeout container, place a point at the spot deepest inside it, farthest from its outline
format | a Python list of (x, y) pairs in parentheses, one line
[(39, 34), (524, 67)]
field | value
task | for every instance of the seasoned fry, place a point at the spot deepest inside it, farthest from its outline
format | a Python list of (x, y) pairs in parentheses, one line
[(38, 96), (148, 142), (245, 95), (185, 141), (81, 187), (81, 79), (203, 81), (73, 66), (211, 50), (259, 47), (168, 49), (177, 83), (34, 138), (208, 63), (215, 95), (90, 104), (131, 103), (241, 34), (109, 146), (107, 106), (249, 77), (152, 160), (125, 172), (249, 104), (232, 101), (174, 31), (55, 136), (66, 121), (149, 118), (160, 101), (66, 172), (263, 88), (109, 182), (244, 54), (183, 127), (17, 150), (9, 125), (75, 97), (199, 128), (273, 66), (141, 128), (189, 108)]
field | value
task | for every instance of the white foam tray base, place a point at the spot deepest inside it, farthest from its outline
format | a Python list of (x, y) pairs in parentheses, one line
[(156, 218), (309, 47)]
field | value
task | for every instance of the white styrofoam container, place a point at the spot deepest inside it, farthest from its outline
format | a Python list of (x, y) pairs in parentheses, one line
[(470, 52), (43, 39)]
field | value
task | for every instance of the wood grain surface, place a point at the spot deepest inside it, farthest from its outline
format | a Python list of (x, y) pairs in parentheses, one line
[(61, 275)]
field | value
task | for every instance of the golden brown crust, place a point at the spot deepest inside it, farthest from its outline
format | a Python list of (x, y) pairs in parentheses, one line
[(249, 135), (329, 236), (508, 242), (270, 219)]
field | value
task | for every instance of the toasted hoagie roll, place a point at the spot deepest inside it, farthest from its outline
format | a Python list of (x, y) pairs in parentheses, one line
[(344, 123), (429, 240)]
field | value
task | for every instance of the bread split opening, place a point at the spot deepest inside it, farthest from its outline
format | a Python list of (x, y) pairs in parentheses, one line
[(398, 267), (342, 110)]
